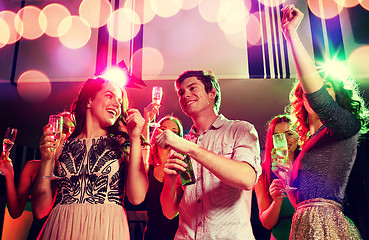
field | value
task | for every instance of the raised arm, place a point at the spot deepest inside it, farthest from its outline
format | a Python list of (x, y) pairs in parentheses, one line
[(17, 198), (44, 189), (269, 202), (137, 182), (306, 70)]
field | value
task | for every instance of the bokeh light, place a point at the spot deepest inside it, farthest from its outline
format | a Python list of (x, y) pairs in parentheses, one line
[(237, 39), (348, 3), (232, 16), (358, 62), (31, 16), (324, 9), (123, 25), (74, 32), (55, 14), (33, 86), (165, 8), (11, 19), (95, 12), (209, 10), (365, 4), (272, 3), (152, 63), (5, 33), (189, 4), (253, 29), (116, 75), (142, 8)]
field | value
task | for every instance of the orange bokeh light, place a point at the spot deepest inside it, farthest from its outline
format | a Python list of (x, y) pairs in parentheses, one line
[(165, 8), (123, 24), (55, 14), (324, 9), (11, 19), (142, 8), (33, 86), (74, 32), (152, 62), (365, 4), (95, 12), (30, 16), (5, 33), (348, 3)]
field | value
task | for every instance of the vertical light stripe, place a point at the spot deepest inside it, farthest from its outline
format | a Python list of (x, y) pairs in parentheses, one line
[(262, 36), (324, 30), (275, 43), (281, 45), (269, 40)]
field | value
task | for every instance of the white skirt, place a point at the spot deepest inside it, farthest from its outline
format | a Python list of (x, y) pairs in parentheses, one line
[(86, 221)]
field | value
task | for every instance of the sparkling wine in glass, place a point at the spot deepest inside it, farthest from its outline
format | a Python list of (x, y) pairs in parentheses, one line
[(56, 123), (9, 139), (157, 94), (284, 167)]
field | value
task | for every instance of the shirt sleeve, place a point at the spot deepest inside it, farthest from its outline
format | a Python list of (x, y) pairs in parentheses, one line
[(246, 146), (340, 121)]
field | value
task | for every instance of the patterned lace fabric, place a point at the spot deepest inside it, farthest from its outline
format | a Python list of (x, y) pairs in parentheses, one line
[(91, 171)]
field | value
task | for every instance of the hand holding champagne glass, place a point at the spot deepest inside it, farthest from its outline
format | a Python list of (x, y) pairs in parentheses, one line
[(56, 126), (9, 139), (157, 94), (281, 165)]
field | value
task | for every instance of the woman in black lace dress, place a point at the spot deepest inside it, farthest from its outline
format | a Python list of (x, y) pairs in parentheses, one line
[(97, 164)]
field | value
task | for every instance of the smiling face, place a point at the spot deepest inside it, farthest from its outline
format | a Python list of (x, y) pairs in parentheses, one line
[(193, 98), (291, 137), (105, 107)]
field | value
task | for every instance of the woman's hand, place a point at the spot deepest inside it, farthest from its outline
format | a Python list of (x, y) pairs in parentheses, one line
[(150, 112), (291, 19), (135, 123), (6, 166), (48, 144), (276, 190)]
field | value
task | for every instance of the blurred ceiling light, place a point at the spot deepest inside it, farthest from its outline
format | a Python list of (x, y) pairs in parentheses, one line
[(5, 33), (74, 32), (142, 8), (15, 31), (326, 9), (95, 12), (31, 16), (55, 14), (165, 8), (123, 24), (33, 86)]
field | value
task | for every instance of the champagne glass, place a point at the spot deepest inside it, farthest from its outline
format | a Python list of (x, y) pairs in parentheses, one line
[(56, 123), (157, 94), (9, 138), (283, 168)]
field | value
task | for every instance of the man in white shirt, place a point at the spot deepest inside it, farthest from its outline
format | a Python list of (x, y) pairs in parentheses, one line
[(226, 161)]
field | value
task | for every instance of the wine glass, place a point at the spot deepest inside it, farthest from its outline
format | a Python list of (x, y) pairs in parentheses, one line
[(157, 94), (282, 167), (56, 123), (9, 138)]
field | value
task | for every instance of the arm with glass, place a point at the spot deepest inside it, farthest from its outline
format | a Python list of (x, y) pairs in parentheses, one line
[(282, 166)]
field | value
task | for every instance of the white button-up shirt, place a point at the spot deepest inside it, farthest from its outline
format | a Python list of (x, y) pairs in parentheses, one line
[(211, 209)]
